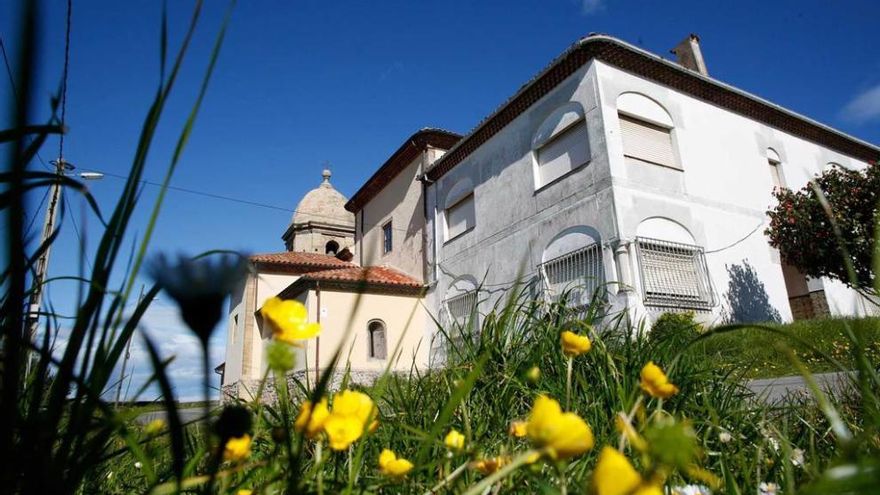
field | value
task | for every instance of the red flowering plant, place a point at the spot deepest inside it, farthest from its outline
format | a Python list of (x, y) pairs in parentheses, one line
[(831, 220)]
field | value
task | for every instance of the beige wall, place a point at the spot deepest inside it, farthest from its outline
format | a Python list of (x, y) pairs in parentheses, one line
[(244, 343), (404, 318), (400, 201)]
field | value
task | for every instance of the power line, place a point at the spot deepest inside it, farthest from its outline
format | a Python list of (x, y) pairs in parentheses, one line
[(64, 80)]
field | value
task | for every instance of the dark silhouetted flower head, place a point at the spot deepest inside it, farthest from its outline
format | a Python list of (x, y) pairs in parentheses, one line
[(199, 286), (234, 422)]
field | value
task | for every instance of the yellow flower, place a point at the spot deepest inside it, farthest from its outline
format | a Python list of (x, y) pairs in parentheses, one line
[(614, 475), (574, 345), (237, 448), (353, 412), (534, 374), (244, 491), (518, 429), (310, 421), (288, 320), (490, 465), (564, 435), (454, 441), (533, 458), (391, 465), (656, 383), (154, 427), (342, 431)]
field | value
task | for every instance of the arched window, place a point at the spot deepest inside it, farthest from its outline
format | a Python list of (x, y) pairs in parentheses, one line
[(646, 130), (378, 346), (572, 266), (332, 247), (561, 144), (672, 267)]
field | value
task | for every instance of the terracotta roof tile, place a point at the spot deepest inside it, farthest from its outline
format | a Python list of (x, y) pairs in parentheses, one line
[(379, 275), (294, 260)]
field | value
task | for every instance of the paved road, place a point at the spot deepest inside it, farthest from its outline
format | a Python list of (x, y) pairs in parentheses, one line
[(186, 415), (776, 390)]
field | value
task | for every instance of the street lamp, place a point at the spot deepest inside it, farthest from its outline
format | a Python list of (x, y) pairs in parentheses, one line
[(61, 168)]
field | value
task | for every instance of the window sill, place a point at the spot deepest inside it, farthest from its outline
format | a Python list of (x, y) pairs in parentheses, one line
[(561, 177), (459, 236)]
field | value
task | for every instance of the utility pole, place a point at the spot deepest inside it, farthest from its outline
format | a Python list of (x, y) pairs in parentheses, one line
[(36, 299), (127, 356)]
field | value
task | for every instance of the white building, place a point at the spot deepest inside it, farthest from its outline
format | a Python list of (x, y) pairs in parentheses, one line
[(617, 169), (613, 174)]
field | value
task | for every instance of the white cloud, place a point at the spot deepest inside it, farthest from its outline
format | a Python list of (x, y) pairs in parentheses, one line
[(864, 107), (591, 6)]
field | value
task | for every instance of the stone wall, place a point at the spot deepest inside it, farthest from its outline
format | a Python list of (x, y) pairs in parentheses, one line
[(812, 305), (247, 389)]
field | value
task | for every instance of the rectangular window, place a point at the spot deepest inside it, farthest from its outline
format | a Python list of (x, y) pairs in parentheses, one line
[(460, 217), (576, 275), (234, 328), (647, 142), (775, 175), (387, 232), (674, 274), (565, 152)]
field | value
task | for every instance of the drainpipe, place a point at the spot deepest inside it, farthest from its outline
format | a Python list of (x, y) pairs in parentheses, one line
[(318, 338)]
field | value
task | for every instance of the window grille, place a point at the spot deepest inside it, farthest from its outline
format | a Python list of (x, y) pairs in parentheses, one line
[(462, 307), (674, 274), (579, 274)]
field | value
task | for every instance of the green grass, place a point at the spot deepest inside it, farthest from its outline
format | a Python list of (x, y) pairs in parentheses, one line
[(758, 353)]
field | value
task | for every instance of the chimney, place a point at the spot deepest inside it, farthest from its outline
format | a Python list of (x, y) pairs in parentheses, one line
[(689, 54)]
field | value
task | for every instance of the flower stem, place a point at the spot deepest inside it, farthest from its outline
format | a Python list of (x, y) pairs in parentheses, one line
[(318, 470), (568, 385), (501, 473), (448, 479)]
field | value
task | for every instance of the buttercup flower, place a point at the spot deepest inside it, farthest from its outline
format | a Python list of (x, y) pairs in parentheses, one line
[(237, 448), (454, 441), (656, 383), (352, 413), (154, 427), (614, 475), (310, 420), (288, 320), (518, 429), (534, 374), (574, 345), (391, 465), (564, 435), (490, 465), (244, 491)]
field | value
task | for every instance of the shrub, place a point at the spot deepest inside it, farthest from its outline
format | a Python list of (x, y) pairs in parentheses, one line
[(675, 329)]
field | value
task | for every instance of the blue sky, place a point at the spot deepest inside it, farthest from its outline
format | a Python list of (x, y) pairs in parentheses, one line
[(302, 83)]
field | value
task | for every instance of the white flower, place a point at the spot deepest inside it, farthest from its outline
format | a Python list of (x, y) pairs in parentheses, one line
[(138, 465), (768, 489), (797, 457), (690, 490), (724, 437), (109, 475)]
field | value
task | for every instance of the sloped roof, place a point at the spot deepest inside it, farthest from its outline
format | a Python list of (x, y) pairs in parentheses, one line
[(652, 67), (408, 151), (380, 279), (290, 261)]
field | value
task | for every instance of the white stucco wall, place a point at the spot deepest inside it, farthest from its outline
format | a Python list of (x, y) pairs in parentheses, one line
[(515, 223), (723, 190)]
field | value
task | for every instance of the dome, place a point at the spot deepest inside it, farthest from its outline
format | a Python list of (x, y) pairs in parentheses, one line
[(323, 204)]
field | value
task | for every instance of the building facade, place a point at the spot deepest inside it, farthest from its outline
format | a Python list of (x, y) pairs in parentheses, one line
[(616, 170)]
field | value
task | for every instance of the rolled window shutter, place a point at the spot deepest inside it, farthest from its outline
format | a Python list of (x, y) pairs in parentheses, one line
[(647, 142)]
